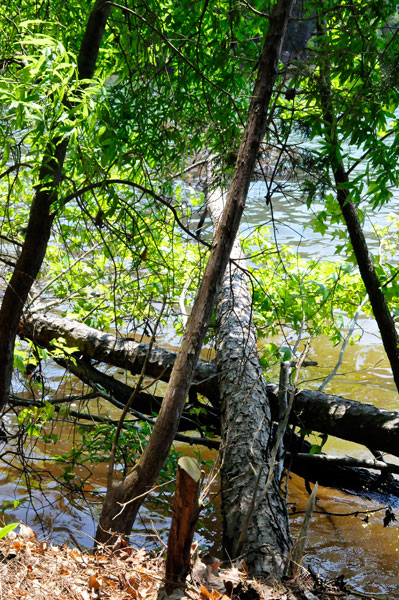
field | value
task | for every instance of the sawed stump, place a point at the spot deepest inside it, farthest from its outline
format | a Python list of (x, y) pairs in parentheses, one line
[(184, 518)]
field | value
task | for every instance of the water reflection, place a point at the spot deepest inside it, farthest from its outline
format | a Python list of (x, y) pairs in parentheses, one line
[(366, 553)]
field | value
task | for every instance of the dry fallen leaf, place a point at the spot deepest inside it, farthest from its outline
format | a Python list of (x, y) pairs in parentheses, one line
[(27, 533), (94, 583), (212, 595)]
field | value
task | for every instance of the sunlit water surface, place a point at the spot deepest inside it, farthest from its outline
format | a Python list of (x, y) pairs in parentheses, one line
[(365, 553)]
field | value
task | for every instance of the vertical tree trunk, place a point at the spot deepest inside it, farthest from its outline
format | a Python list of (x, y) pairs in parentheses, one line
[(124, 498), (41, 214)]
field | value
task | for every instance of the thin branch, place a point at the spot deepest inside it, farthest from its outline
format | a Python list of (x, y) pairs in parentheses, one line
[(130, 401), (13, 168), (180, 54), (256, 12), (62, 273), (143, 189), (82, 416), (344, 345), (7, 239)]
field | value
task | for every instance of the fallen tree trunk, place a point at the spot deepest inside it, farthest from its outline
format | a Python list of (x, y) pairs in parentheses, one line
[(124, 353), (354, 421), (358, 422), (309, 407), (196, 415), (255, 520)]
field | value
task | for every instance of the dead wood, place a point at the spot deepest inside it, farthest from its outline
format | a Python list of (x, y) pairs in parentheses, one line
[(125, 353), (358, 422), (347, 419), (184, 518)]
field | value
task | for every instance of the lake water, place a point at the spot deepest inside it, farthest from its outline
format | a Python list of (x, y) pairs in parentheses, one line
[(366, 553)]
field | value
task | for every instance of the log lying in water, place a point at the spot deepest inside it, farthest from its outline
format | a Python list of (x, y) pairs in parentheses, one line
[(124, 353), (358, 422), (361, 423), (313, 410)]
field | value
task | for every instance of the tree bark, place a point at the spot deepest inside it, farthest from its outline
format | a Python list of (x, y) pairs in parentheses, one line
[(41, 213), (137, 483), (347, 419), (255, 523), (385, 321), (124, 353), (185, 515)]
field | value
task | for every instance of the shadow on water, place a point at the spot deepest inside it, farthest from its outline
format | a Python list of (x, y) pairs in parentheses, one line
[(364, 551)]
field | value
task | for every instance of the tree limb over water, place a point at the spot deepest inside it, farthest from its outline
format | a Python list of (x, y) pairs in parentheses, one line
[(358, 422)]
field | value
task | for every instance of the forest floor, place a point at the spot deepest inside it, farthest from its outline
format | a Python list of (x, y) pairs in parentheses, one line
[(34, 570)]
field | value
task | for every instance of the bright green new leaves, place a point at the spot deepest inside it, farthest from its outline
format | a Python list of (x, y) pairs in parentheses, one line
[(299, 297)]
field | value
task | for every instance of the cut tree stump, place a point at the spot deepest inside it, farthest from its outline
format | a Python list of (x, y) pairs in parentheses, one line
[(184, 518)]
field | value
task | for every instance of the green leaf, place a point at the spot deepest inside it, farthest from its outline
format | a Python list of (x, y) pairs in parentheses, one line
[(7, 529)]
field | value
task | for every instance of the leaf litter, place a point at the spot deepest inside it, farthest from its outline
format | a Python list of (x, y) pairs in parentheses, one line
[(38, 570)]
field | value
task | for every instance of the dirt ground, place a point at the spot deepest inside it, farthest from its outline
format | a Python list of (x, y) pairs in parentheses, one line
[(33, 570)]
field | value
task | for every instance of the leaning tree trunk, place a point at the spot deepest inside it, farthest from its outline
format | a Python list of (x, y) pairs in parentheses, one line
[(41, 213), (255, 523), (124, 498), (382, 314), (255, 520)]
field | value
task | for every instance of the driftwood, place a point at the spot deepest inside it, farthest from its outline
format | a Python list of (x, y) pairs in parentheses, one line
[(358, 422)]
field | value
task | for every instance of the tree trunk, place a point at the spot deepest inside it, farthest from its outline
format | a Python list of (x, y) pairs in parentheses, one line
[(385, 321), (147, 469), (255, 523), (347, 419), (124, 353), (354, 421), (185, 515), (41, 213)]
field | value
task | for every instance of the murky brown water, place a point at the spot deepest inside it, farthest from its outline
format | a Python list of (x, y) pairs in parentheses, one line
[(365, 553)]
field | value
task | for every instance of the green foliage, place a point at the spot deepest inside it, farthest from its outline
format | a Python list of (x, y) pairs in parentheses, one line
[(172, 85), (7, 529), (33, 420), (298, 295), (93, 445)]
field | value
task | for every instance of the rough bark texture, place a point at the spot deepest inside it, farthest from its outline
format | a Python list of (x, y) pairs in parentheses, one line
[(365, 424), (358, 422), (41, 214), (254, 524), (255, 521), (354, 421), (139, 481)]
